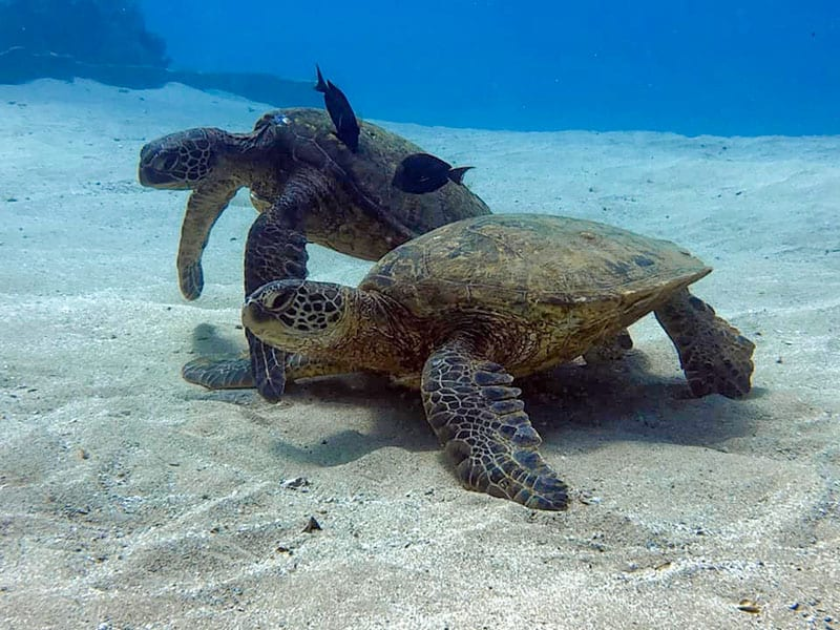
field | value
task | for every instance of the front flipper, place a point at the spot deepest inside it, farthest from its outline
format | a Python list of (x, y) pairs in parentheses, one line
[(234, 372), (276, 250), (204, 208), (219, 372), (715, 356), (268, 368), (482, 425)]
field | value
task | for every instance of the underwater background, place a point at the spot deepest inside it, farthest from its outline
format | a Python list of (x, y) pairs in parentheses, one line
[(131, 498), (692, 67)]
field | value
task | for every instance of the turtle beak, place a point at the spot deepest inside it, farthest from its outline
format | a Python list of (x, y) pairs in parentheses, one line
[(254, 314), (153, 179), (264, 305)]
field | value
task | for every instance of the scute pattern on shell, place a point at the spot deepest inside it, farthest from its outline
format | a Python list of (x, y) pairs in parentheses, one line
[(366, 176), (522, 262)]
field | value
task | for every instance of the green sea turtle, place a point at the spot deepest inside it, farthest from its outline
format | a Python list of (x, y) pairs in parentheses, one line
[(311, 187), (465, 309)]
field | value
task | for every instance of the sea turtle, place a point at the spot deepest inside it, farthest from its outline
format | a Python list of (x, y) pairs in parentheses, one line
[(465, 309), (310, 187)]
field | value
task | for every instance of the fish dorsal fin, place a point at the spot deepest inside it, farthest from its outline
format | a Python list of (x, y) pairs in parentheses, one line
[(321, 85)]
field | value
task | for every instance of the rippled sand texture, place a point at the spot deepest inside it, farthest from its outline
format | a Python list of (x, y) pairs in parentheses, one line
[(131, 499)]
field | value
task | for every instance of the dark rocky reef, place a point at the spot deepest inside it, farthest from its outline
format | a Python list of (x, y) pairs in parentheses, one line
[(107, 41), (90, 31)]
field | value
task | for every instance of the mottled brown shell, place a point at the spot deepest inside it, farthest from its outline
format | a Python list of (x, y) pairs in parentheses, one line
[(530, 264), (306, 138)]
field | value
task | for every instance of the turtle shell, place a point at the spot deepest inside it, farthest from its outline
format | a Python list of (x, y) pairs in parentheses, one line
[(306, 137), (529, 265)]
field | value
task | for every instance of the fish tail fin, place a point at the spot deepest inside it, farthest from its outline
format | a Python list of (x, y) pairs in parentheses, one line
[(457, 174), (321, 85)]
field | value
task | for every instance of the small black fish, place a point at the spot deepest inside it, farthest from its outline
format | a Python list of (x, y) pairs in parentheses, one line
[(346, 125), (423, 173)]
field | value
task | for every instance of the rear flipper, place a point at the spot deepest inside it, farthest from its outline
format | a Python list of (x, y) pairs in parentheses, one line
[(715, 356), (480, 421), (235, 372)]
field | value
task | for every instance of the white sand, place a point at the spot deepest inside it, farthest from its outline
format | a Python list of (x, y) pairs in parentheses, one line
[(131, 499)]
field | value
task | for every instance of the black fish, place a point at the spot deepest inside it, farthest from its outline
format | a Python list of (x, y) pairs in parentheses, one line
[(346, 126), (424, 173)]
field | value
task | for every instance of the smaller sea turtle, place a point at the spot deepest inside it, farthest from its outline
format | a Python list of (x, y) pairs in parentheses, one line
[(464, 309), (310, 187)]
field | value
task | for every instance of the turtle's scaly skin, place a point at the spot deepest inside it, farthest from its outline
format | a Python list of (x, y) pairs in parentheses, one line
[(310, 188), (471, 305), (235, 372), (214, 164)]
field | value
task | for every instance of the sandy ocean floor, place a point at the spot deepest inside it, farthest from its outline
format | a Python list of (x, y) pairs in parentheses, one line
[(131, 499)]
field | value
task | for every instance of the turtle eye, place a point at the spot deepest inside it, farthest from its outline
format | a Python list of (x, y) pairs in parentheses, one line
[(165, 161), (170, 162), (278, 300)]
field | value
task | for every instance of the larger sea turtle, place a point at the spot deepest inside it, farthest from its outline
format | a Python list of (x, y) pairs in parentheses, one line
[(463, 310), (311, 187)]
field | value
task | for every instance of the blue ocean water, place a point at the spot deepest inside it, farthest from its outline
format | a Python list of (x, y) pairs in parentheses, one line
[(746, 67)]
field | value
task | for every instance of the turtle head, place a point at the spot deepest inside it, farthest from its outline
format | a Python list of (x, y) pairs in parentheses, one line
[(298, 315), (182, 160)]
